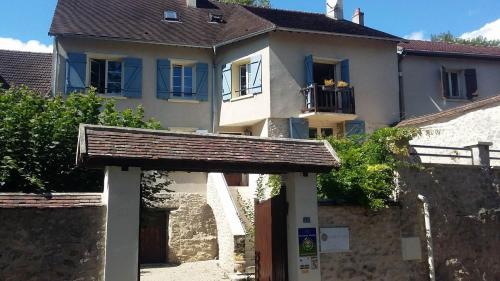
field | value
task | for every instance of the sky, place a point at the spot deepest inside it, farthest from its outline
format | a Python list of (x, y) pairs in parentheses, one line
[(26, 25)]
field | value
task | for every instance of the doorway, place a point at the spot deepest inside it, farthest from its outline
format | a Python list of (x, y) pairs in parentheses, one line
[(154, 237)]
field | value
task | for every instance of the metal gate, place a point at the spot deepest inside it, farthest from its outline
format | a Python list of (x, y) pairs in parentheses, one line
[(271, 254)]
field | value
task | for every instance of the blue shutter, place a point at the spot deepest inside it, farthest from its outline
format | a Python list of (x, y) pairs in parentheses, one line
[(202, 81), (226, 82), (354, 127), (163, 79), (344, 71), (309, 63), (299, 128), (76, 69), (132, 80), (255, 73)]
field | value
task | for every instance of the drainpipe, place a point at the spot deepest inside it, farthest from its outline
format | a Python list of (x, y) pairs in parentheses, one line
[(214, 104), (55, 71), (428, 236), (402, 109)]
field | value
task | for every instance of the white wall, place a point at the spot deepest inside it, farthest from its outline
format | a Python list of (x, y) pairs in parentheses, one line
[(468, 129), (422, 82), (188, 182), (373, 74), (186, 114)]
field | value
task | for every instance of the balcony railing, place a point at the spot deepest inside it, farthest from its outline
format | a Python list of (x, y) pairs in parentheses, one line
[(320, 98)]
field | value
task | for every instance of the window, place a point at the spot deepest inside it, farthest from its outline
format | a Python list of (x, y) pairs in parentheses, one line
[(313, 133), (106, 76), (243, 79), (324, 72), (455, 84), (170, 16), (326, 132), (182, 80), (322, 132)]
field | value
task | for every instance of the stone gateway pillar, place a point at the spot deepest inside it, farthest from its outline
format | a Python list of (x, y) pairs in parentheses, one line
[(122, 194)]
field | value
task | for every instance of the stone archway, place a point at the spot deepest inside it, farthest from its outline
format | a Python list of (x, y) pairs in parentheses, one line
[(123, 152)]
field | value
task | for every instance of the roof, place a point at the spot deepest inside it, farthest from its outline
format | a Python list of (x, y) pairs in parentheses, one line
[(142, 21), (24, 68), (450, 113), (417, 47), (101, 146), (53, 200)]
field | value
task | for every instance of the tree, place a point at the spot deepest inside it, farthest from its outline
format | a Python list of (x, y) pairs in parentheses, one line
[(477, 41), (255, 3), (368, 164), (38, 138)]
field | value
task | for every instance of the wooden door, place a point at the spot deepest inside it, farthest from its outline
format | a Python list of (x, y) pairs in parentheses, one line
[(271, 253), (153, 238)]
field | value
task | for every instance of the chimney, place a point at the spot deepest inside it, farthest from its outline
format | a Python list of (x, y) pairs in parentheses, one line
[(191, 3), (359, 17), (335, 9)]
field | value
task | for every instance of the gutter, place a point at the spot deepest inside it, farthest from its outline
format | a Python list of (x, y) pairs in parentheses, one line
[(340, 34), (214, 104)]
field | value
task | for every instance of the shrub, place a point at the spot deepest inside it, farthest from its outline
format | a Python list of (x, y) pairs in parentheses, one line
[(38, 138), (368, 164)]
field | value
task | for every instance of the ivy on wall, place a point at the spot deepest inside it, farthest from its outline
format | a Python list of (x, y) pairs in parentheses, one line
[(368, 166)]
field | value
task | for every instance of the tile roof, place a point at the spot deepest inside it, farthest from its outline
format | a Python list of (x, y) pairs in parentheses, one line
[(24, 68), (141, 20), (448, 49), (450, 113), (100, 146), (54, 200)]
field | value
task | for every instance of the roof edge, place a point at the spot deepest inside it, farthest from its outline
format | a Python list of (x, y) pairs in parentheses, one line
[(397, 39)]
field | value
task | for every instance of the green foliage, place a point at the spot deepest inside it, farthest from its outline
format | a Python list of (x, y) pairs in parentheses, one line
[(256, 3), (478, 41), (368, 163), (273, 184), (38, 138)]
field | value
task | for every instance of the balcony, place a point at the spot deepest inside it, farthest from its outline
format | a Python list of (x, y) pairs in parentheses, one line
[(328, 103)]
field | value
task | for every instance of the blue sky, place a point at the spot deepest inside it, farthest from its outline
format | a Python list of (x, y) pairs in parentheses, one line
[(30, 19)]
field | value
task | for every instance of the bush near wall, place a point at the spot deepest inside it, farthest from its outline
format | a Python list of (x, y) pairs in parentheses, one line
[(38, 138), (368, 165)]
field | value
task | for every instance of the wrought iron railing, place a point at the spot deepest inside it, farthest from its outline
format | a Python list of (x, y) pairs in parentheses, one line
[(320, 98)]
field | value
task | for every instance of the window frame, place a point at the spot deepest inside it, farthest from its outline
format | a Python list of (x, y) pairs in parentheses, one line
[(243, 91), (107, 60), (461, 87), (183, 94)]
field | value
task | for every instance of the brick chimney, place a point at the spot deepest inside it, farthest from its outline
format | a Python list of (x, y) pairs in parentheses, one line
[(358, 17), (191, 3), (335, 9)]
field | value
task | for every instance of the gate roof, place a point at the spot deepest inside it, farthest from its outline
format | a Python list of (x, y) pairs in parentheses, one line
[(100, 146)]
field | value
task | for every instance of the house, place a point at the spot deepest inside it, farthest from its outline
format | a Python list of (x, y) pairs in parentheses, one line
[(436, 76), (25, 68), (448, 136), (205, 66)]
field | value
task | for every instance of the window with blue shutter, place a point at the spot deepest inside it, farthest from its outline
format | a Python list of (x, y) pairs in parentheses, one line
[(202, 81), (354, 127), (226, 82), (162, 78), (76, 69), (344, 71), (132, 77), (309, 70), (255, 75), (299, 128)]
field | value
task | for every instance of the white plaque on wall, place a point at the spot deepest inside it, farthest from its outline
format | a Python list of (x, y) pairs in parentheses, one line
[(334, 239)]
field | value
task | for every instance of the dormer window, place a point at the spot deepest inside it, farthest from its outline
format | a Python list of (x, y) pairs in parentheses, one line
[(170, 16)]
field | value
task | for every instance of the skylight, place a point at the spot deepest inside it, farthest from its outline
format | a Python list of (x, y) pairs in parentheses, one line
[(170, 15)]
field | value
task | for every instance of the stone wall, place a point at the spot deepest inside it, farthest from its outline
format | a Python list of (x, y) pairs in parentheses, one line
[(52, 243), (192, 231), (464, 207), (464, 212), (375, 245)]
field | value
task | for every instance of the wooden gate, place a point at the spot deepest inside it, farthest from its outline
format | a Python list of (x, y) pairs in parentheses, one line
[(153, 238), (271, 254)]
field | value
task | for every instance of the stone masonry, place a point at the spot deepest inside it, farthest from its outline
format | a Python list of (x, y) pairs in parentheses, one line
[(45, 244), (192, 230)]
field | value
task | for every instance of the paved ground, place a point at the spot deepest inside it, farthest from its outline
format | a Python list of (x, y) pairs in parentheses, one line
[(194, 271)]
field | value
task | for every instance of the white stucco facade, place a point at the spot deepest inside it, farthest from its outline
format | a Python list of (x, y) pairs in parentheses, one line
[(422, 86)]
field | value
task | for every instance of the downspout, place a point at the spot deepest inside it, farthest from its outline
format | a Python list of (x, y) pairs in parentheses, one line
[(214, 104), (55, 71), (428, 236), (402, 113)]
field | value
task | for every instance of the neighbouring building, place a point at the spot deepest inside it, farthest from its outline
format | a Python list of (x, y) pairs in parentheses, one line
[(436, 76), (447, 136), (33, 70)]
